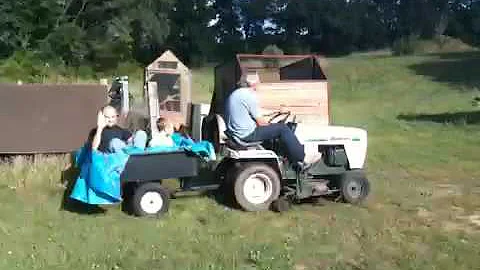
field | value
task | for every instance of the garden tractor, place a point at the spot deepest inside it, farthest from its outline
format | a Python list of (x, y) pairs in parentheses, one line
[(258, 176)]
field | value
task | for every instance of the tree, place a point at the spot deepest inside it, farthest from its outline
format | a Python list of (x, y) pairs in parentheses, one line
[(190, 37), (103, 33), (228, 32)]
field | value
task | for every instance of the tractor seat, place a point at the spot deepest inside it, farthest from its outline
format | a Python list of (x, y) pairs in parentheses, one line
[(237, 144)]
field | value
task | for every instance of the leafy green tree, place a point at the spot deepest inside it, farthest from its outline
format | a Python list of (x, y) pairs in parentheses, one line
[(190, 37)]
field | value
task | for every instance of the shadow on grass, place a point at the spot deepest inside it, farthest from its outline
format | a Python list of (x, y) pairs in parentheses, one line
[(209, 186), (68, 179), (457, 118), (458, 69)]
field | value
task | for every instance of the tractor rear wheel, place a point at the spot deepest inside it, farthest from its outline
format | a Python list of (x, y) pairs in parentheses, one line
[(282, 204), (256, 186)]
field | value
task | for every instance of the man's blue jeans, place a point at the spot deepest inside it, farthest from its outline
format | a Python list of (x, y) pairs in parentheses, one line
[(295, 150), (139, 141)]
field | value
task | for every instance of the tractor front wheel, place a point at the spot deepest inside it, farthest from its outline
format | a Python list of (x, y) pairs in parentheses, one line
[(354, 187)]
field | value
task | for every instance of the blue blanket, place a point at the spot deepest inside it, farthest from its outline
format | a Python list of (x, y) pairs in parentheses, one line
[(99, 179)]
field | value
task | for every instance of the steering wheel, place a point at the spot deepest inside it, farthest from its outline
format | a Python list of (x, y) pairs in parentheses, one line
[(276, 114)]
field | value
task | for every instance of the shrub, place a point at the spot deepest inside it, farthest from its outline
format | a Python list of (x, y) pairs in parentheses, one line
[(272, 49), (405, 45), (25, 66), (414, 45)]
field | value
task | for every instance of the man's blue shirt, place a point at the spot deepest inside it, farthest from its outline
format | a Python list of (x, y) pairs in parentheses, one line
[(241, 110)]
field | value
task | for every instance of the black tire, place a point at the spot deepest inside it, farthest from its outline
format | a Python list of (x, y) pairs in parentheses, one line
[(354, 187), (281, 205), (223, 168), (256, 173), (155, 204), (210, 131), (227, 186), (128, 190)]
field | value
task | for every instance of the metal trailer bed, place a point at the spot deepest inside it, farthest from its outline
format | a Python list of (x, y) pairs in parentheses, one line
[(142, 189)]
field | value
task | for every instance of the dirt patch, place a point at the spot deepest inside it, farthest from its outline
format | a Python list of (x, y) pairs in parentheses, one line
[(446, 190), (475, 190), (457, 220), (450, 226), (424, 213), (313, 264), (475, 220), (427, 217), (463, 222), (300, 267)]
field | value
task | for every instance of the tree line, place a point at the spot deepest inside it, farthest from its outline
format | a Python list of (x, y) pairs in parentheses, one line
[(103, 33)]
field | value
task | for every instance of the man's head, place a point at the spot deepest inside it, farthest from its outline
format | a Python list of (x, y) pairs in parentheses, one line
[(111, 115), (164, 125), (250, 80)]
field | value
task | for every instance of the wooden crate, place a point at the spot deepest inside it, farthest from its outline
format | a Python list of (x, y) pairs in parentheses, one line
[(307, 100)]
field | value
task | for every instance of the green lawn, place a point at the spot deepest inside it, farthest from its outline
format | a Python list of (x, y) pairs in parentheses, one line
[(423, 212)]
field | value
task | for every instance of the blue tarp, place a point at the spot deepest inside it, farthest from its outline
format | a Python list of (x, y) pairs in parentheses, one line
[(99, 179)]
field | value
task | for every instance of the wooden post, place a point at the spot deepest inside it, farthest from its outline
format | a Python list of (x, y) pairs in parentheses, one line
[(154, 110)]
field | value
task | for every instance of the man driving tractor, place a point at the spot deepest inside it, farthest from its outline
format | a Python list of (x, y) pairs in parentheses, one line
[(244, 121)]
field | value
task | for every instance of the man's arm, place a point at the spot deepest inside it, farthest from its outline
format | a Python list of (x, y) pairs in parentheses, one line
[(263, 118), (127, 136), (261, 121), (97, 138), (256, 113)]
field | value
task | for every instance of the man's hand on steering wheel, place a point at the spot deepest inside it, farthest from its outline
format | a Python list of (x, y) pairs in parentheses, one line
[(278, 114)]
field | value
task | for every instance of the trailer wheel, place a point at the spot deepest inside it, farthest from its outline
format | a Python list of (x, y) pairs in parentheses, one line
[(256, 186), (150, 199), (354, 187)]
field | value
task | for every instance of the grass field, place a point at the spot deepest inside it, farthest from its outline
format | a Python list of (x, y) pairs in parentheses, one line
[(423, 212)]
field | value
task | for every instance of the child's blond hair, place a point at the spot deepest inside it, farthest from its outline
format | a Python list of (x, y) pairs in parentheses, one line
[(163, 124)]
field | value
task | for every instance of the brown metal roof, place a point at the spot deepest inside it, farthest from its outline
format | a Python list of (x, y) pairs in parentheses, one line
[(38, 118), (284, 56)]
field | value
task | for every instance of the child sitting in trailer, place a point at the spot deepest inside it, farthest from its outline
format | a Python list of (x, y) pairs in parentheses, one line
[(182, 130), (164, 136), (170, 139)]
